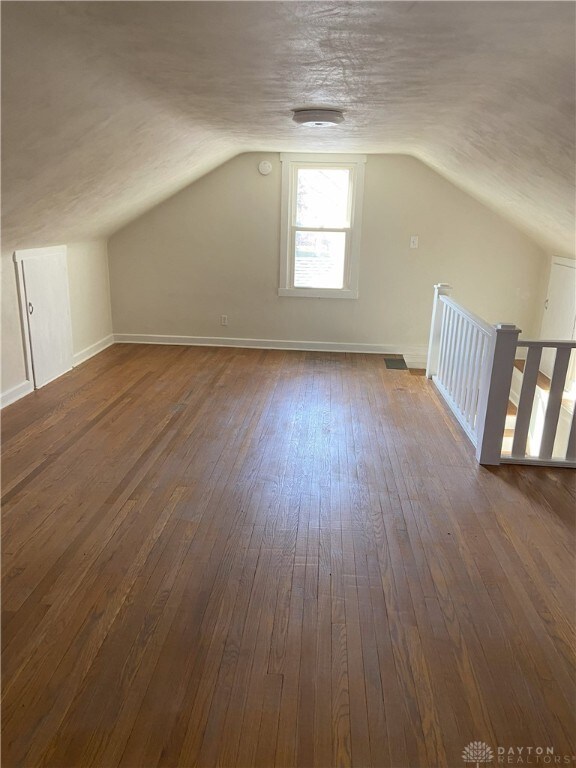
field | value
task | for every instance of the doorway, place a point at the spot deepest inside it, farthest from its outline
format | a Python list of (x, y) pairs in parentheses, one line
[(45, 312), (559, 321)]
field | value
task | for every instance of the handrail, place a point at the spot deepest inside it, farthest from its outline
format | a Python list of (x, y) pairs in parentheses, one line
[(539, 344), (482, 324)]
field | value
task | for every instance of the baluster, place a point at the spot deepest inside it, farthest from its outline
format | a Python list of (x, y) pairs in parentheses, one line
[(554, 401), (478, 368), (470, 370), (443, 344), (437, 323), (461, 378), (451, 317), (526, 402), (475, 380), (455, 351), (472, 364)]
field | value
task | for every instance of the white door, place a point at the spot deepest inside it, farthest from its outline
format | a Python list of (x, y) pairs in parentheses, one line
[(559, 321), (47, 311)]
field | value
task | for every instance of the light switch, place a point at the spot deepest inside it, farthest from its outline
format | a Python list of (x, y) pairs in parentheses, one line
[(413, 241)]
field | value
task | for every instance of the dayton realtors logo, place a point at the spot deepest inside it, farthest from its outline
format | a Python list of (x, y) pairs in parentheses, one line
[(477, 752), (480, 753)]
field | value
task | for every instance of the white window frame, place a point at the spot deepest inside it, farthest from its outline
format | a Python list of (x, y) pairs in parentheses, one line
[(291, 163)]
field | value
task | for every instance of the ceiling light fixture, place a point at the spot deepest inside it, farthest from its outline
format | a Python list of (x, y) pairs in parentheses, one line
[(317, 118)]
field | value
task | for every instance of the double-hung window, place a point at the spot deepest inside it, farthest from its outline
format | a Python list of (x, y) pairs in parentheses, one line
[(321, 218)]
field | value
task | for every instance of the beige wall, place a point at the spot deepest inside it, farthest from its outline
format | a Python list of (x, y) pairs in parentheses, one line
[(89, 293), (89, 307), (213, 249), (13, 360)]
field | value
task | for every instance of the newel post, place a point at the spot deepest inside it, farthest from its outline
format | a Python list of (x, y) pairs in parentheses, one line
[(495, 392), (441, 289)]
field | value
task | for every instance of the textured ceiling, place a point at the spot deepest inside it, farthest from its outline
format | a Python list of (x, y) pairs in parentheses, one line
[(110, 107)]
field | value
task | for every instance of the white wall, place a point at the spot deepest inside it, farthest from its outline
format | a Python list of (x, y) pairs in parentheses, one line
[(213, 249), (89, 287), (89, 283), (13, 360)]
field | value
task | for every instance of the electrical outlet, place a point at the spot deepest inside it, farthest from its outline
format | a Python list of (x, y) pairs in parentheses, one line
[(413, 241), (223, 319)]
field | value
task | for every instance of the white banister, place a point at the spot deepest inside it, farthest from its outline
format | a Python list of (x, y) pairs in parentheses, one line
[(472, 364), (495, 393), (456, 364), (441, 289)]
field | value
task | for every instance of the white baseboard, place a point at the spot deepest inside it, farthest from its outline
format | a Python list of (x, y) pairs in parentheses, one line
[(415, 356), (93, 349), (15, 393)]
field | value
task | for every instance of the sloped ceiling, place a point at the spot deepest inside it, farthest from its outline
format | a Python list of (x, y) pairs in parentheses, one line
[(110, 107)]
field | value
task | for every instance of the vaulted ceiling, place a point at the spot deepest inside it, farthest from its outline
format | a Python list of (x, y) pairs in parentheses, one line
[(110, 107)]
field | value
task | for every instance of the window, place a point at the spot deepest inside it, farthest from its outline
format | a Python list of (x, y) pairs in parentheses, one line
[(321, 216)]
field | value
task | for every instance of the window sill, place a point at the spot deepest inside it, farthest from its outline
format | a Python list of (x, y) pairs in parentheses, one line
[(319, 293)]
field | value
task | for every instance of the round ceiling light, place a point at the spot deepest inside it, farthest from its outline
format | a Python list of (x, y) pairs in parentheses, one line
[(317, 118)]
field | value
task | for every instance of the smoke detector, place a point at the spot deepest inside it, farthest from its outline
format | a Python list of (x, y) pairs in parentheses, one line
[(317, 118)]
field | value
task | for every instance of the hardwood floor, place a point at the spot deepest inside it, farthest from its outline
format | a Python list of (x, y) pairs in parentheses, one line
[(268, 558)]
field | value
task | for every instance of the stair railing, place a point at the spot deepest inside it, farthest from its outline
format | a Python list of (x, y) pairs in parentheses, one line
[(471, 364)]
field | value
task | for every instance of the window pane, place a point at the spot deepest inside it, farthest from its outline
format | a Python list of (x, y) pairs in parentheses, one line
[(319, 259), (322, 197)]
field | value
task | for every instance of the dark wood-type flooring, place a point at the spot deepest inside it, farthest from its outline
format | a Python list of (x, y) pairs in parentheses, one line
[(272, 558)]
